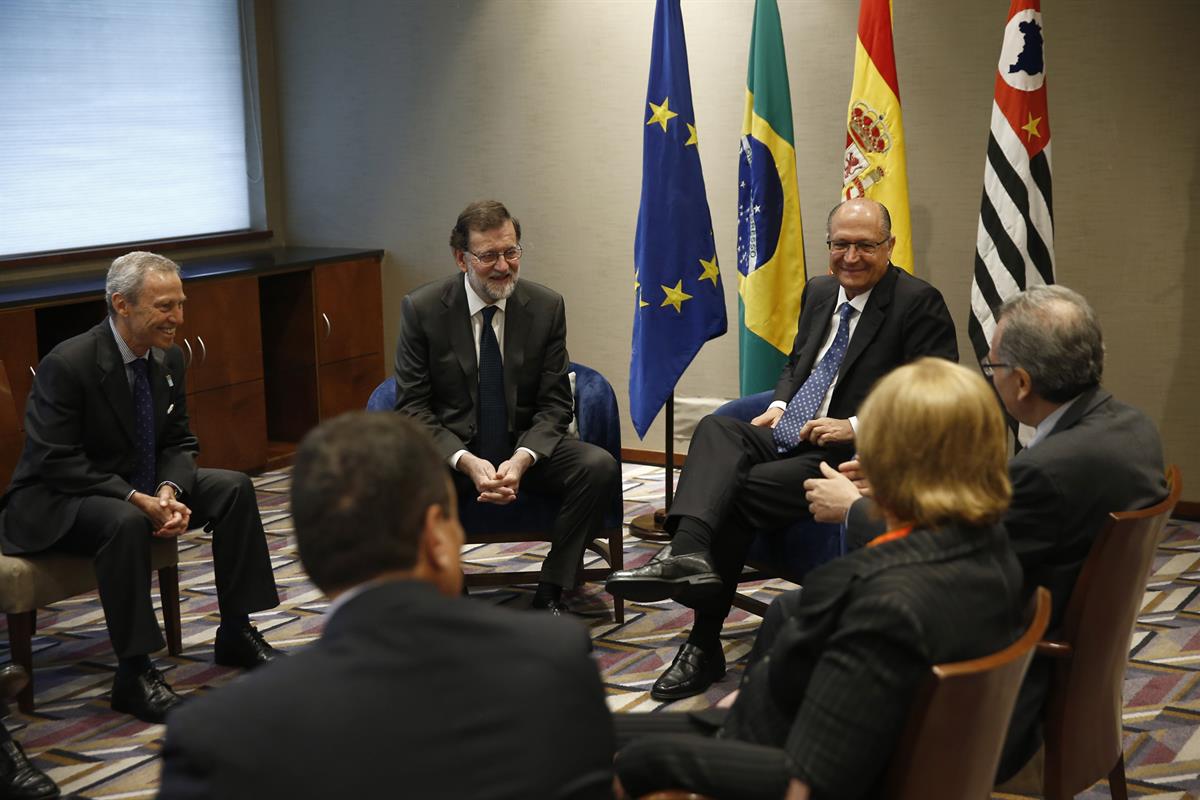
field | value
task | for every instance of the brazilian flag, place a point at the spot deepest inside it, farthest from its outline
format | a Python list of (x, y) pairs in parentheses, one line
[(770, 254)]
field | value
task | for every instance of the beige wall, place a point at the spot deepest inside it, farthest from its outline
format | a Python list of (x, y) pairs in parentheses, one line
[(392, 115)]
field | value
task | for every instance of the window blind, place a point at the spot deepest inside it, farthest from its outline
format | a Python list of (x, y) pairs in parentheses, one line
[(121, 121)]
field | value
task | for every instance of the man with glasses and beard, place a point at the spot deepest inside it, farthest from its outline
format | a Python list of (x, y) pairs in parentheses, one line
[(482, 363)]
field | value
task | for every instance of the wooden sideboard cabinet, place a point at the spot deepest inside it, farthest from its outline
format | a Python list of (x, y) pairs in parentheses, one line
[(274, 341)]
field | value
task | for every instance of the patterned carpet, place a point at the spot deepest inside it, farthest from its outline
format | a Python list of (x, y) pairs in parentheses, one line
[(96, 753)]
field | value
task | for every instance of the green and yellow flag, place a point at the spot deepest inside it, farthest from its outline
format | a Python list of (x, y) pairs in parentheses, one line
[(770, 249), (874, 165)]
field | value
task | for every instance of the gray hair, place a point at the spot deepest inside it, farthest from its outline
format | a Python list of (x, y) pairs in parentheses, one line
[(1053, 334), (885, 217), (128, 273)]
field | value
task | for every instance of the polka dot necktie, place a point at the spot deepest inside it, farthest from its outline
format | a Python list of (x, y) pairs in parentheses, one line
[(804, 404), (493, 442), (142, 478)]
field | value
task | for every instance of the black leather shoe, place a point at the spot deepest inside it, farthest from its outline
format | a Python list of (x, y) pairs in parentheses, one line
[(557, 608), (21, 780), (242, 646), (13, 679), (667, 577), (691, 673), (145, 695)]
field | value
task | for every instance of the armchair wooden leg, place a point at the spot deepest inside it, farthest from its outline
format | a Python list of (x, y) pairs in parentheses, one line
[(168, 589), (1116, 780), (616, 549), (20, 642)]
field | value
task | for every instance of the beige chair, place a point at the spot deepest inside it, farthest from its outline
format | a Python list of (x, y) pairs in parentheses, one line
[(28, 583), (955, 730), (1083, 710)]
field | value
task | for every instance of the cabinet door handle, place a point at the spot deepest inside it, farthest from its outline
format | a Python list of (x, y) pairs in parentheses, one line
[(328, 324), (203, 350), (187, 362)]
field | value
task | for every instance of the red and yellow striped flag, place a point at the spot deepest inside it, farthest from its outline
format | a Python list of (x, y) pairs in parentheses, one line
[(874, 164)]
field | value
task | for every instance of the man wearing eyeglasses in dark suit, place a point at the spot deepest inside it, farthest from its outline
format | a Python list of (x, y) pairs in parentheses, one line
[(856, 324), (482, 363)]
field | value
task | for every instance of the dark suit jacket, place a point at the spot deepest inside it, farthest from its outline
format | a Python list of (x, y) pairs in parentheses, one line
[(1102, 456), (835, 687), (437, 373), (905, 318), (406, 694), (79, 437)]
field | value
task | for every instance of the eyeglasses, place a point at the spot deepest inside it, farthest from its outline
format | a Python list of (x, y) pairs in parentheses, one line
[(989, 367), (863, 248), (512, 255)]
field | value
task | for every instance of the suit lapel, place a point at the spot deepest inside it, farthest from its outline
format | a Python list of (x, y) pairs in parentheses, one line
[(159, 391), (872, 318), (822, 313), (516, 329), (462, 341), (113, 380)]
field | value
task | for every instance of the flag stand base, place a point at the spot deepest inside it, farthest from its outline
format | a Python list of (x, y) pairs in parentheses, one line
[(648, 527)]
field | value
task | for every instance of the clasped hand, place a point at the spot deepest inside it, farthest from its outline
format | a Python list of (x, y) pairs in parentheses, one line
[(499, 484), (169, 516)]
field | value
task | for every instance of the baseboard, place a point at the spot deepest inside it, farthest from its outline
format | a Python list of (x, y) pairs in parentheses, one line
[(654, 458)]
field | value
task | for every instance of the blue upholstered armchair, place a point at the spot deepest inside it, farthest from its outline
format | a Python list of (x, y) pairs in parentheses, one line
[(531, 516), (791, 552)]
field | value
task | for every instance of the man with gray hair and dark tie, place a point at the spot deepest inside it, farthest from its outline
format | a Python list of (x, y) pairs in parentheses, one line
[(110, 462)]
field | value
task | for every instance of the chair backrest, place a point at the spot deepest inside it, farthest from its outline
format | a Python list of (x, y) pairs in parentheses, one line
[(1083, 719), (955, 731), (10, 434)]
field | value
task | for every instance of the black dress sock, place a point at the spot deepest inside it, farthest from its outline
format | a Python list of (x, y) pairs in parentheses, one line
[(547, 593), (133, 665), (691, 536)]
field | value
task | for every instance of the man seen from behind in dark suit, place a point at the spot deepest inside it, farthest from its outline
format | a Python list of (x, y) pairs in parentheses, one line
[(411, 691)]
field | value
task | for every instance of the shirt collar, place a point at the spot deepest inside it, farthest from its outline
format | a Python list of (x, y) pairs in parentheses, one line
[(1045, 426), (127, 355), (858, 303), (475, 303)]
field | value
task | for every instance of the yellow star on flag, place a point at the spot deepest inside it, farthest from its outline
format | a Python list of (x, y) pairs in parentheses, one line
[(691, 139), (637, 288), (661, 114), (1031, 127), (710, 270), (675, 296)]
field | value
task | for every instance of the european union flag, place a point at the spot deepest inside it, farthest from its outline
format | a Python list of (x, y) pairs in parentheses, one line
[(680, 301)]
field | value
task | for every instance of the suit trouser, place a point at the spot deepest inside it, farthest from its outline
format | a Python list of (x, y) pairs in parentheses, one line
[(584, 477), (736, 483), (679, 750), (118, 536)]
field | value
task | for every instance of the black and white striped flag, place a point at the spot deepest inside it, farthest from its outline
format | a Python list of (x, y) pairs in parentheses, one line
[(1014, 248)]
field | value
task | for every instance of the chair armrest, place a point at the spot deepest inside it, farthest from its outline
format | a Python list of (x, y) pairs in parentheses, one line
[(1054, 649)]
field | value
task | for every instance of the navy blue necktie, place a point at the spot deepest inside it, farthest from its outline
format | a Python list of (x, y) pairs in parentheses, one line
[(803, 406), (142, 478), (494, 445)]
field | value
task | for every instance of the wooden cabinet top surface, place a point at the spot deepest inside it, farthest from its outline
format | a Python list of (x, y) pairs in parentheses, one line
[(52, 290)]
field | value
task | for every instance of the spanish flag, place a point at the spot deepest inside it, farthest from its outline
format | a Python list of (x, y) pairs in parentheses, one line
[(874, 165), (770, 250)]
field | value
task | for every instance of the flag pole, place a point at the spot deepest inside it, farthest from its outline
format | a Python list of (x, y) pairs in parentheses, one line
[(650, 526)]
